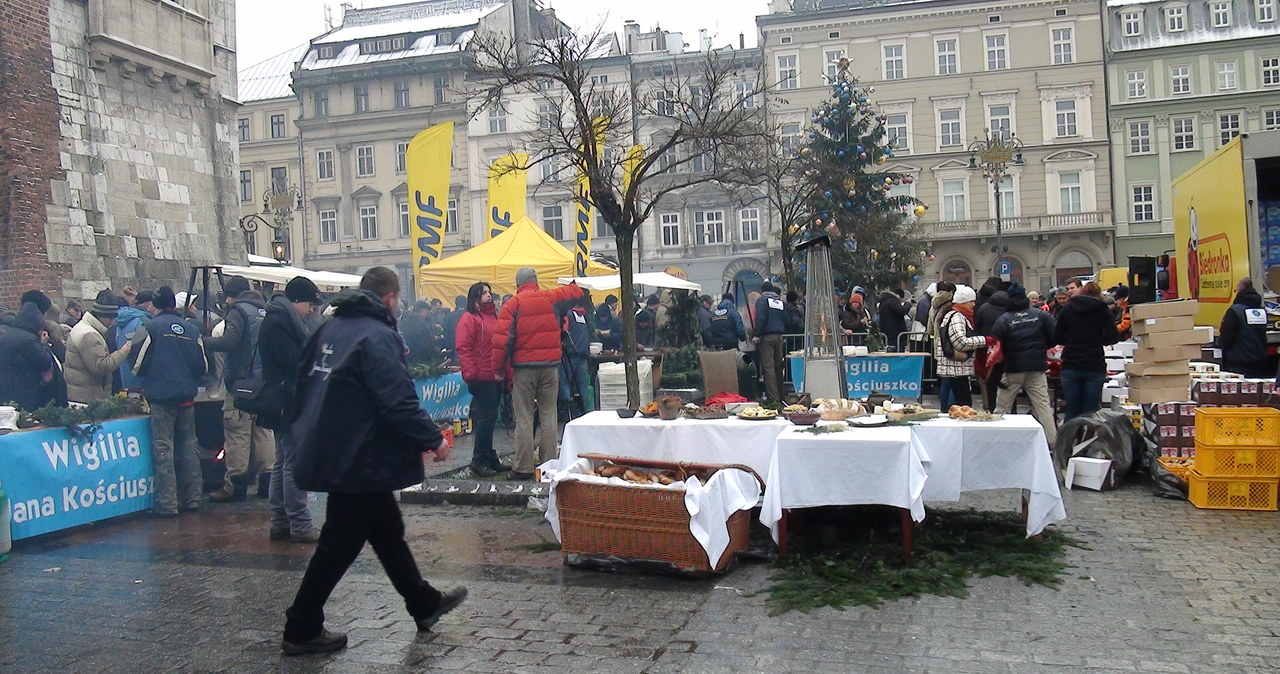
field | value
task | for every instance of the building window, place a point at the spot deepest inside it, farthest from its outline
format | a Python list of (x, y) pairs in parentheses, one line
[(708, 226), (324, 53), (599, 79), (402, 94), (949, 127), (1065, 117), (1271, 119), (1144, 203), (1070, 195), (1140, 137), (321, 100), (1184, 133), (242, 125), (791, 139), (703, 161), (669, 226), (1063, 49), (1175, 19), (246, 186), (546, 115), (997, 53), (364, 160), (402, 156), (1228, 127), (277, 126), (895, 129), (744, 92), (553, 221), (1132, 23), (1226, 75), (1180, 79), (440, 89), (497, 120), (1136, 81), (279, 178), (894, 62), (788, 72), (382, 45), (1270, 72), (362, 97), (369, 222), (328, 226), (948, 53), (999, 121), (1221, 12), (324, 164), (832, 58), (1265, 10), (550, 168), (953, 200), (451, 218), (402, 208), (749, 224), (251, 243), (1008, 203), (603, 230)]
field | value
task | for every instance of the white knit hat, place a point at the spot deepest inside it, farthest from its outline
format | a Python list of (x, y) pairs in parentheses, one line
[(963, 294), (931, 290)]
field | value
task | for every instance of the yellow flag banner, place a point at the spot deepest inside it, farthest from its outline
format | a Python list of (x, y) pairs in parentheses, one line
[(428, 160), (508, 193), (582, 223), (630, 164)]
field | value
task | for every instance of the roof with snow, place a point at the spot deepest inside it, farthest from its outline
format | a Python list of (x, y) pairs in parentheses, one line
[(270, 78), (399, 31)]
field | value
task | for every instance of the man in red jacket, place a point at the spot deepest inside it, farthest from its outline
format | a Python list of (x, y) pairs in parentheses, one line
[(527, 338)]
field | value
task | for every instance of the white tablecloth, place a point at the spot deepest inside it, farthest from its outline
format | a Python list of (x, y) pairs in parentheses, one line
[(729, 440), (855, 467), (1008, 454)]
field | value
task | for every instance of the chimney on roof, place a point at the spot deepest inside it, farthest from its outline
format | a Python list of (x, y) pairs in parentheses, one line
[(742, 40), (631, 36), (704, 40), (521, 28)]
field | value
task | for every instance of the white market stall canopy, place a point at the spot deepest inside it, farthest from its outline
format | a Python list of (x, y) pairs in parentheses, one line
[(658, 279), (327, 281)]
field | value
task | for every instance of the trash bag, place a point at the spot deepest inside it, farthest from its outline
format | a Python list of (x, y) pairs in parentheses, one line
[(1104, 434), (1164, 483)]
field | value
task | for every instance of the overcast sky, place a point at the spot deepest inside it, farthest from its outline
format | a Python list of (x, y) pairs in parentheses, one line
[(268, 27)]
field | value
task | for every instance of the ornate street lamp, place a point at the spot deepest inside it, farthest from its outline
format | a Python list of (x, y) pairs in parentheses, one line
[(279, 202), (994, 155)]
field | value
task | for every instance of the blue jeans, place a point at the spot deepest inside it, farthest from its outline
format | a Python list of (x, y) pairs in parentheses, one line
[(1083, 391), (288, 503), (174, 457), (573, 372)]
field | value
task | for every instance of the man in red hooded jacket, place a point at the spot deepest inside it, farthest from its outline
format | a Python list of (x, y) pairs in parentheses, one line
[(527, 337)]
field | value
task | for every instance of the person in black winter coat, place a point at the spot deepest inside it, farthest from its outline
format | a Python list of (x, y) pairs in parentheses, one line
[(360, 435), (26, 365), (1084, 327), (281, 338), (725, 329), (984, 321), (989, 288), (1025, 333), (892, 314), (416, 328), (1244, 333)]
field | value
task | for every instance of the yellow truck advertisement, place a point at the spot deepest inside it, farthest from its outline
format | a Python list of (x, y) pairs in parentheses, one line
[(1210, 231)]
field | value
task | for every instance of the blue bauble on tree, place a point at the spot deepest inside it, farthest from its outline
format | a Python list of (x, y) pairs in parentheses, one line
[(827, 194), (850, 246)]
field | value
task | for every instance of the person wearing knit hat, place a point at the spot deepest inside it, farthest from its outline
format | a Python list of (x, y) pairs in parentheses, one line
[(235, 286), (90, 361), (143, 300), (302, 289), (1025, 332), (955, 356)]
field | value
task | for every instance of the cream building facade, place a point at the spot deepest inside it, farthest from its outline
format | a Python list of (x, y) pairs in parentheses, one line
[(945, 70), (1186, 78)]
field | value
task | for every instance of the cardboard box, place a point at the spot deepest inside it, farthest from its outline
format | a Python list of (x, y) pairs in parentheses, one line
[(1171, 324), (1187, 436), (1206, 391), (1156, 395), (1206, 333), (1144, 369), (1187, 413), (1141, 312), (1156, 340), (1166, 354), (1229, 393), (1249, 392), (1125, 348), (1095, 474), (1162, 381)]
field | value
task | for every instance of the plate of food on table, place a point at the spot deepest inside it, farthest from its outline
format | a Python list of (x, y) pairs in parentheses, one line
[(966, 413), (757, 413)]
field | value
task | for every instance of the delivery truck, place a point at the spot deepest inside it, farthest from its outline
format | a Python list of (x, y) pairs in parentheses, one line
[(1226, 215)]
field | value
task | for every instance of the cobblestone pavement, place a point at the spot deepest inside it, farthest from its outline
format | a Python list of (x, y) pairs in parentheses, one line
[(1162, 587)]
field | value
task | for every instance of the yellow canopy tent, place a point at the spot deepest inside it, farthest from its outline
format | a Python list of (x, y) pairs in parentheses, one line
[(495, 261)]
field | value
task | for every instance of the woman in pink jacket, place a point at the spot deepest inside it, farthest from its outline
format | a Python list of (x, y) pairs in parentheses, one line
[(475, 346)]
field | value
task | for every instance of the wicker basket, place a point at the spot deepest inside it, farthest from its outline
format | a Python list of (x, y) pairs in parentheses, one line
[(639, 524)]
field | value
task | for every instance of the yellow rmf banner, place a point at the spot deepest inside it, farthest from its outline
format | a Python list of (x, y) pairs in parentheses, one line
[(428, 160), (508, 192), (582, 223)]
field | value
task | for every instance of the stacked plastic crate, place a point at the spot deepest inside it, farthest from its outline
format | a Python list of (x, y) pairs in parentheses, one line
[(1237, 459)]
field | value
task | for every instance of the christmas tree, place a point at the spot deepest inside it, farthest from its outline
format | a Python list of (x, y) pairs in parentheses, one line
[(874, 243)]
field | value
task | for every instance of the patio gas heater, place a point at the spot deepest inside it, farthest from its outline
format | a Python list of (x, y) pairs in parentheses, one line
[(824, 374)]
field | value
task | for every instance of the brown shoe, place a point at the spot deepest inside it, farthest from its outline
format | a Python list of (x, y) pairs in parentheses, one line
[(224, 496)]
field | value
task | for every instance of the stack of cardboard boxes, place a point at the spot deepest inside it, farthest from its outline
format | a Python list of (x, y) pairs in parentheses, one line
[(1167, 339)]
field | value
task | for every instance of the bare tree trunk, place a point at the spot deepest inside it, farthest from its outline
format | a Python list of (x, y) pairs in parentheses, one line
[(625, 237), (788, 265)]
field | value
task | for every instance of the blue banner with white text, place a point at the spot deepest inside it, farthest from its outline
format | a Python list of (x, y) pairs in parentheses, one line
[(57, 481), (444, 398), (897, 375)]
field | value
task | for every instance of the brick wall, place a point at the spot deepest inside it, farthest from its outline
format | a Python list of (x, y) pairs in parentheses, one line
[(29, 138)]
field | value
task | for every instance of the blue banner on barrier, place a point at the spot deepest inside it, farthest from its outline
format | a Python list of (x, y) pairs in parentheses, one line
[(896, 375), (56, 482), (444, 397)]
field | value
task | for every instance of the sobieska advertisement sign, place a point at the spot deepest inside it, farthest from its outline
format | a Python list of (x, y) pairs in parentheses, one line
[(1210, 231)]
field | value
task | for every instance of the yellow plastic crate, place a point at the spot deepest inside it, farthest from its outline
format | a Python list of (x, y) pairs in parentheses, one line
[(1231, 493), (1177, 465), (1220, 461), (1237, 427)]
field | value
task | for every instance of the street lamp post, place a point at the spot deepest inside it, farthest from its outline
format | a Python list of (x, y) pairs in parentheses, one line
[(279, 202), (994, 155)]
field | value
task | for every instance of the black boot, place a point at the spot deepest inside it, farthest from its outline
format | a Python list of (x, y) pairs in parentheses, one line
[(239, 491), (264, 484)]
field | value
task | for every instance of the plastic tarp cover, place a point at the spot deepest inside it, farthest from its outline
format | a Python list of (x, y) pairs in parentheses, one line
[(1104, 434), (657, 279)]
